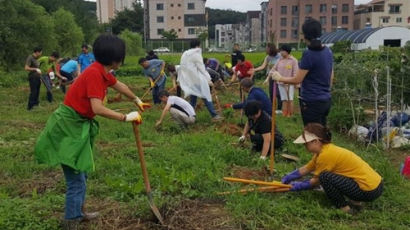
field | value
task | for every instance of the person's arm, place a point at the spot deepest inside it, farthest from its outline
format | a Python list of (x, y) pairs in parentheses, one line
[(263, 66), (251, 72), (99, 109), (332, 77), (29, 69), (234, 76), (300, 75), (124, 89), (266, 144), (245, 129), (162, 72), (164, 112)]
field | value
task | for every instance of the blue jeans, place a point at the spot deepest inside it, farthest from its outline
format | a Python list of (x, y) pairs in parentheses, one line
[(75, 194), (208, 105), (156, 90)]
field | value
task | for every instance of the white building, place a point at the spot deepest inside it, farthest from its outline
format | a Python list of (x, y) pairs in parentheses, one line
[(224, 35), (370, 38), (107, 9)]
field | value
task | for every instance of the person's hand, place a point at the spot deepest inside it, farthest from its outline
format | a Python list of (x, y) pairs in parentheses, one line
[(276, 76), (157, 124), (161, 73), (64, 78), (291, 176), (262, 157), (227, 106), (300, 185), (141, 105), (38, 70), (134, 116), (152, 84), (242, 139)]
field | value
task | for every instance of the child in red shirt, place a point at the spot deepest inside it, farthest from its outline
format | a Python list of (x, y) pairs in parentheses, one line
[(68, 138), (242, 69)]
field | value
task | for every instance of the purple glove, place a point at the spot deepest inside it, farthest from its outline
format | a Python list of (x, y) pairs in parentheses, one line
[(300, 185), (291, 176)]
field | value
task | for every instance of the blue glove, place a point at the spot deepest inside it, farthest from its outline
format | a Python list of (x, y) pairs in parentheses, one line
[(291, 176), (303, 185)]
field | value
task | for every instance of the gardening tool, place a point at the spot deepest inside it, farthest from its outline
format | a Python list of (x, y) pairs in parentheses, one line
[(272, 145), (290, 157), (257, 182), (218, 104), (150, 88), (145, 174), (242, 96), (258, 189)]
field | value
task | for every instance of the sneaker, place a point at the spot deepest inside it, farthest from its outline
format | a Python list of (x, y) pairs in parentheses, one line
[(71, 224), (90, 216), (217, 118)]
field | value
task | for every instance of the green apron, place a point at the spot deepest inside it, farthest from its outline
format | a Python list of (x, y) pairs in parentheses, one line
[(68, 139)]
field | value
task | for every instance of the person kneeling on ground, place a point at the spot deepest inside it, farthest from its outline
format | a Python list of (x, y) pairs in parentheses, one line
[(259, 128), (181, 111), (339, 171), (70, 132)]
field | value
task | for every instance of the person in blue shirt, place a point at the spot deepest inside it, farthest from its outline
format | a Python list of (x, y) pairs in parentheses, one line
[(316, 75), (68, 71), (154, 70), (86, 58), (254, 94)]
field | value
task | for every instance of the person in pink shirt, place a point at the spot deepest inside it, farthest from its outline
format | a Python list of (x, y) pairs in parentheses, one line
[(287, 66)]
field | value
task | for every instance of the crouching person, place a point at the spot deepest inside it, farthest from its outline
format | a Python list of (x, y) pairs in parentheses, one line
[(259, 128), (68, 138), (340, 172), (181, 111)]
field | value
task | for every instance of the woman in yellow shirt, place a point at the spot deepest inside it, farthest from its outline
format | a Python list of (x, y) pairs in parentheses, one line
[(340, 172)]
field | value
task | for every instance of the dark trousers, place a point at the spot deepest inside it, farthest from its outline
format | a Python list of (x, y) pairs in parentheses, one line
[(35, 83), (257, 141), (70, 79), (75, 194), (337, 187), (49, 87), (315, 111), (278, 99)]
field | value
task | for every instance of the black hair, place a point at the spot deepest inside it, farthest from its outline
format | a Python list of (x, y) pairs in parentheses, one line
[(171, 68), (252, 108), (241, 57), (163, 93), (195, 43), (84, 46), (247, 82), (286, 48), (37, 49), (272, 49), (320, 131), (205, 60), (142, 60), (55, 54), (108, 49), (151, 53), (312, 30)]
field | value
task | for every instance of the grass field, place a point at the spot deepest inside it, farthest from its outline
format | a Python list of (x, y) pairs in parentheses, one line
[(186, 170)]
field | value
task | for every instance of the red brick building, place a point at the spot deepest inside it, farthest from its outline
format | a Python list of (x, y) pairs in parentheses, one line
[(286, 17)]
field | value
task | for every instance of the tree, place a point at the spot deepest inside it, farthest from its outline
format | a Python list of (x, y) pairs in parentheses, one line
[(69, 35), (23, 25), (170, 35), (133, 42), (129, 19), (217, 16)]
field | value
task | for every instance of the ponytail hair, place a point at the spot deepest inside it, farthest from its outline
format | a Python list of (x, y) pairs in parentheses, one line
[(320, 131), (312, 30)]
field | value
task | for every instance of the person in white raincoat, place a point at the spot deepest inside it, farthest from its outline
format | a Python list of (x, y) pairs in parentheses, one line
[(194, 79)]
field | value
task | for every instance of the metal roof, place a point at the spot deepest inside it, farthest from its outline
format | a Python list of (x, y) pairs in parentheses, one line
[(356, 36)]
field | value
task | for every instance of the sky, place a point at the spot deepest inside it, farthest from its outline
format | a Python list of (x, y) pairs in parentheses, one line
[(245, 5)]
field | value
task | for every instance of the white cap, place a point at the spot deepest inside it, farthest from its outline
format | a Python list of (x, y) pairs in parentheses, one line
[(305, 138)]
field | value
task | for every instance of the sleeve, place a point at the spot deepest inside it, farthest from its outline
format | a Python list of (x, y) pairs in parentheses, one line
[(250, 65), (311, 164), (112, 80), (323, 164), (80, 59), (28, 61), (239, 105), (95, 86), (306, 62), (199, 63)]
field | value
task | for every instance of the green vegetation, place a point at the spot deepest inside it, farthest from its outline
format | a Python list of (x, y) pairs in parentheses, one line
[(218, 16), (182, 165)]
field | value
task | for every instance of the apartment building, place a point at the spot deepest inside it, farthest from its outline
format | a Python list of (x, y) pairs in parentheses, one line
[(254, 23), (382, 13), (286, 17), (107, 9), (186, 17), (224, 35)]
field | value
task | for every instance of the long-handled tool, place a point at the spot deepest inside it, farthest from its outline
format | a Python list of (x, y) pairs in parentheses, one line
[(218, 104), (258, 189), (258, 182), (145, 174), (150, 88), (272, 143), (242, 96)]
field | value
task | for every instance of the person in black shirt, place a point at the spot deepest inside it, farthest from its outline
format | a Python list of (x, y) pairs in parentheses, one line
[(235, 54), (259, 128), (151, 55)]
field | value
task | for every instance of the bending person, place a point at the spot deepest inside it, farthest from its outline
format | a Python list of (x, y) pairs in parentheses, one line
[(181, 111), (340, 172)]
